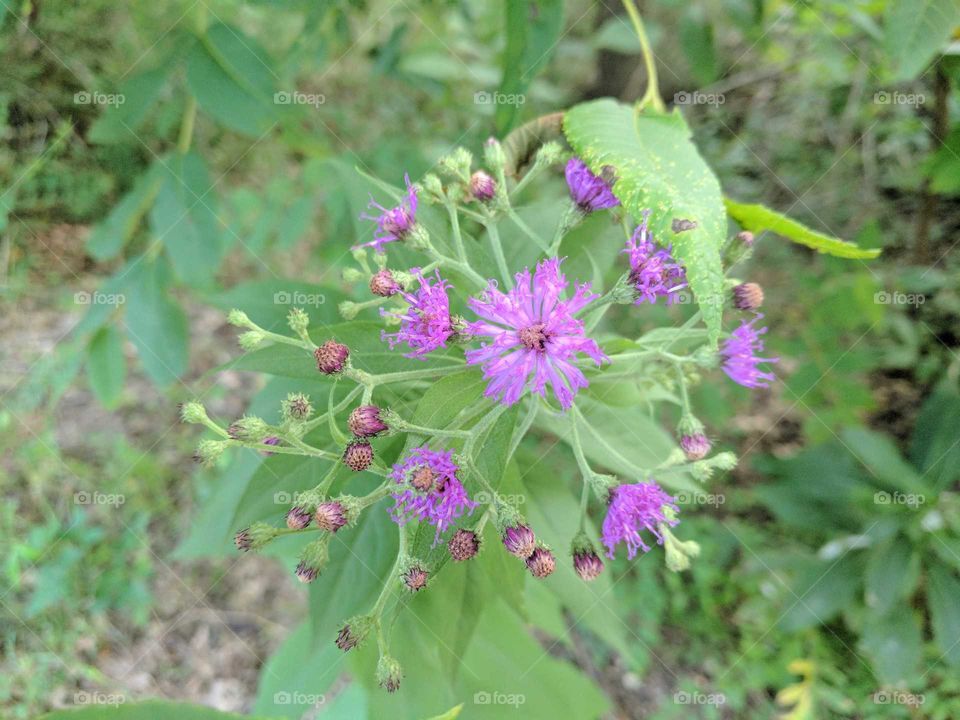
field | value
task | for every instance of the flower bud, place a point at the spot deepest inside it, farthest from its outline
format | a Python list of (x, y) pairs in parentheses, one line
[(365, 421), (313, 559), (358, 455), (330, 516), (255, 537), (209, 451), (239, 318), (549, 153), (695, 446), (745, 238), (482, 186), (415, 577), (433, 187), (331, 357), (193, 412), (463, 545), (457, 163), (383, 284), (519, 540), (747, 296), (541, 562), (251, 339), (388, 673), (298, 517), (296, 407), (494, 155), (354, 632), (298, 320), (248, 429), (678, 553), (351, 274), (587, 565), (348, 309)]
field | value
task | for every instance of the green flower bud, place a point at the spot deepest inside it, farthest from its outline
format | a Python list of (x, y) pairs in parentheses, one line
[(348, 309), (549, 153), (239, 318), (296, 407), (249, 429), (298, 320), (389, 673), (251, 339), (208, 451), (193, 412), (678, 553), (353, 275), (494, 155), (255, 537), (354, 632), (313, 559)]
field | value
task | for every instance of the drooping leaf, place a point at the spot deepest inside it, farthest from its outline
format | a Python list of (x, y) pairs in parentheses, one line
[(658, 168), (532, 30), (757, 218), (106, 365)]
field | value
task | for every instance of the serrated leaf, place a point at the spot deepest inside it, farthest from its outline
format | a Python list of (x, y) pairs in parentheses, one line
[(757, 218), (659, 168)]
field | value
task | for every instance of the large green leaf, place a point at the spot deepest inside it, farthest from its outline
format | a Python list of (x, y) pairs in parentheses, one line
[(757, 218), (184, 219), (822, 590), (893, 569), (893, 642), (152, 710), (942, 597), (532, 30), (916, 31), (119, 121), (658, 168), (109, 237), (156, 324)]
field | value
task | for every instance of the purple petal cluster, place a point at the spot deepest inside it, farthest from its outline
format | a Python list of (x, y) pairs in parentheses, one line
[(426, 324), (588, 191), (534, 336), (741, 355), (430, 490), (634, 508), (394, 223), (653, 271)]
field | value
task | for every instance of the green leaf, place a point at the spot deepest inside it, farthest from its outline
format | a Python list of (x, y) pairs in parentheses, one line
[(821, 591), (893, 570), (184, 219), (934, 449), (152, 710), (118, 123), (757, 218), (882, 458), (106, 366), (696, 39), (156, 325), (915, 32), (658, 168), (268, 302), (447, 397), (232, 79), (942, 596), (109, 237), (532, 29), (893, 643)]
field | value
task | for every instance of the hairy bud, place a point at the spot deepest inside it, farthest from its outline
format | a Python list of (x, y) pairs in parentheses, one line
[(747, 296), (358, 455), (354, 632), (365, 421), (519, 540), (193, 412), (296, 407), (298, 517), (331, 357), (464, 545), (388, 673), (482, 186), (331, 516), (541, 562)]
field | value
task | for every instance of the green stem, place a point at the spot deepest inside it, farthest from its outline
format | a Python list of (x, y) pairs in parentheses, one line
[(652, 93), (525, 229), (185, 138), (455, 228), (311, 424), (299, 448), (435, 432), (584, 496), (497, 247)]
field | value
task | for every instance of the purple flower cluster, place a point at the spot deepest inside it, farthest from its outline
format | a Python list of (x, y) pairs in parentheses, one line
[(741, 356), (588, 191), (430, 490), (534, 336), (426, 324), (394, 223), (653, 271), (634, 508)]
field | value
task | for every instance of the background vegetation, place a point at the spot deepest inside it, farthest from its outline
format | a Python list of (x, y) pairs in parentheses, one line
[(163, 162)]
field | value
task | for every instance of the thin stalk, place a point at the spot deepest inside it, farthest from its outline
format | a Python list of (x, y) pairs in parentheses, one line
[(497, 247), (652, 93)]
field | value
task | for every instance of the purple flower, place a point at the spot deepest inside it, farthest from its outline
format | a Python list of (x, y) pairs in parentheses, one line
[(588, 191), (394, 223), (426, 325), (430, 489), (534, 336), (653, 271), (634, 508), (741, 356)]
